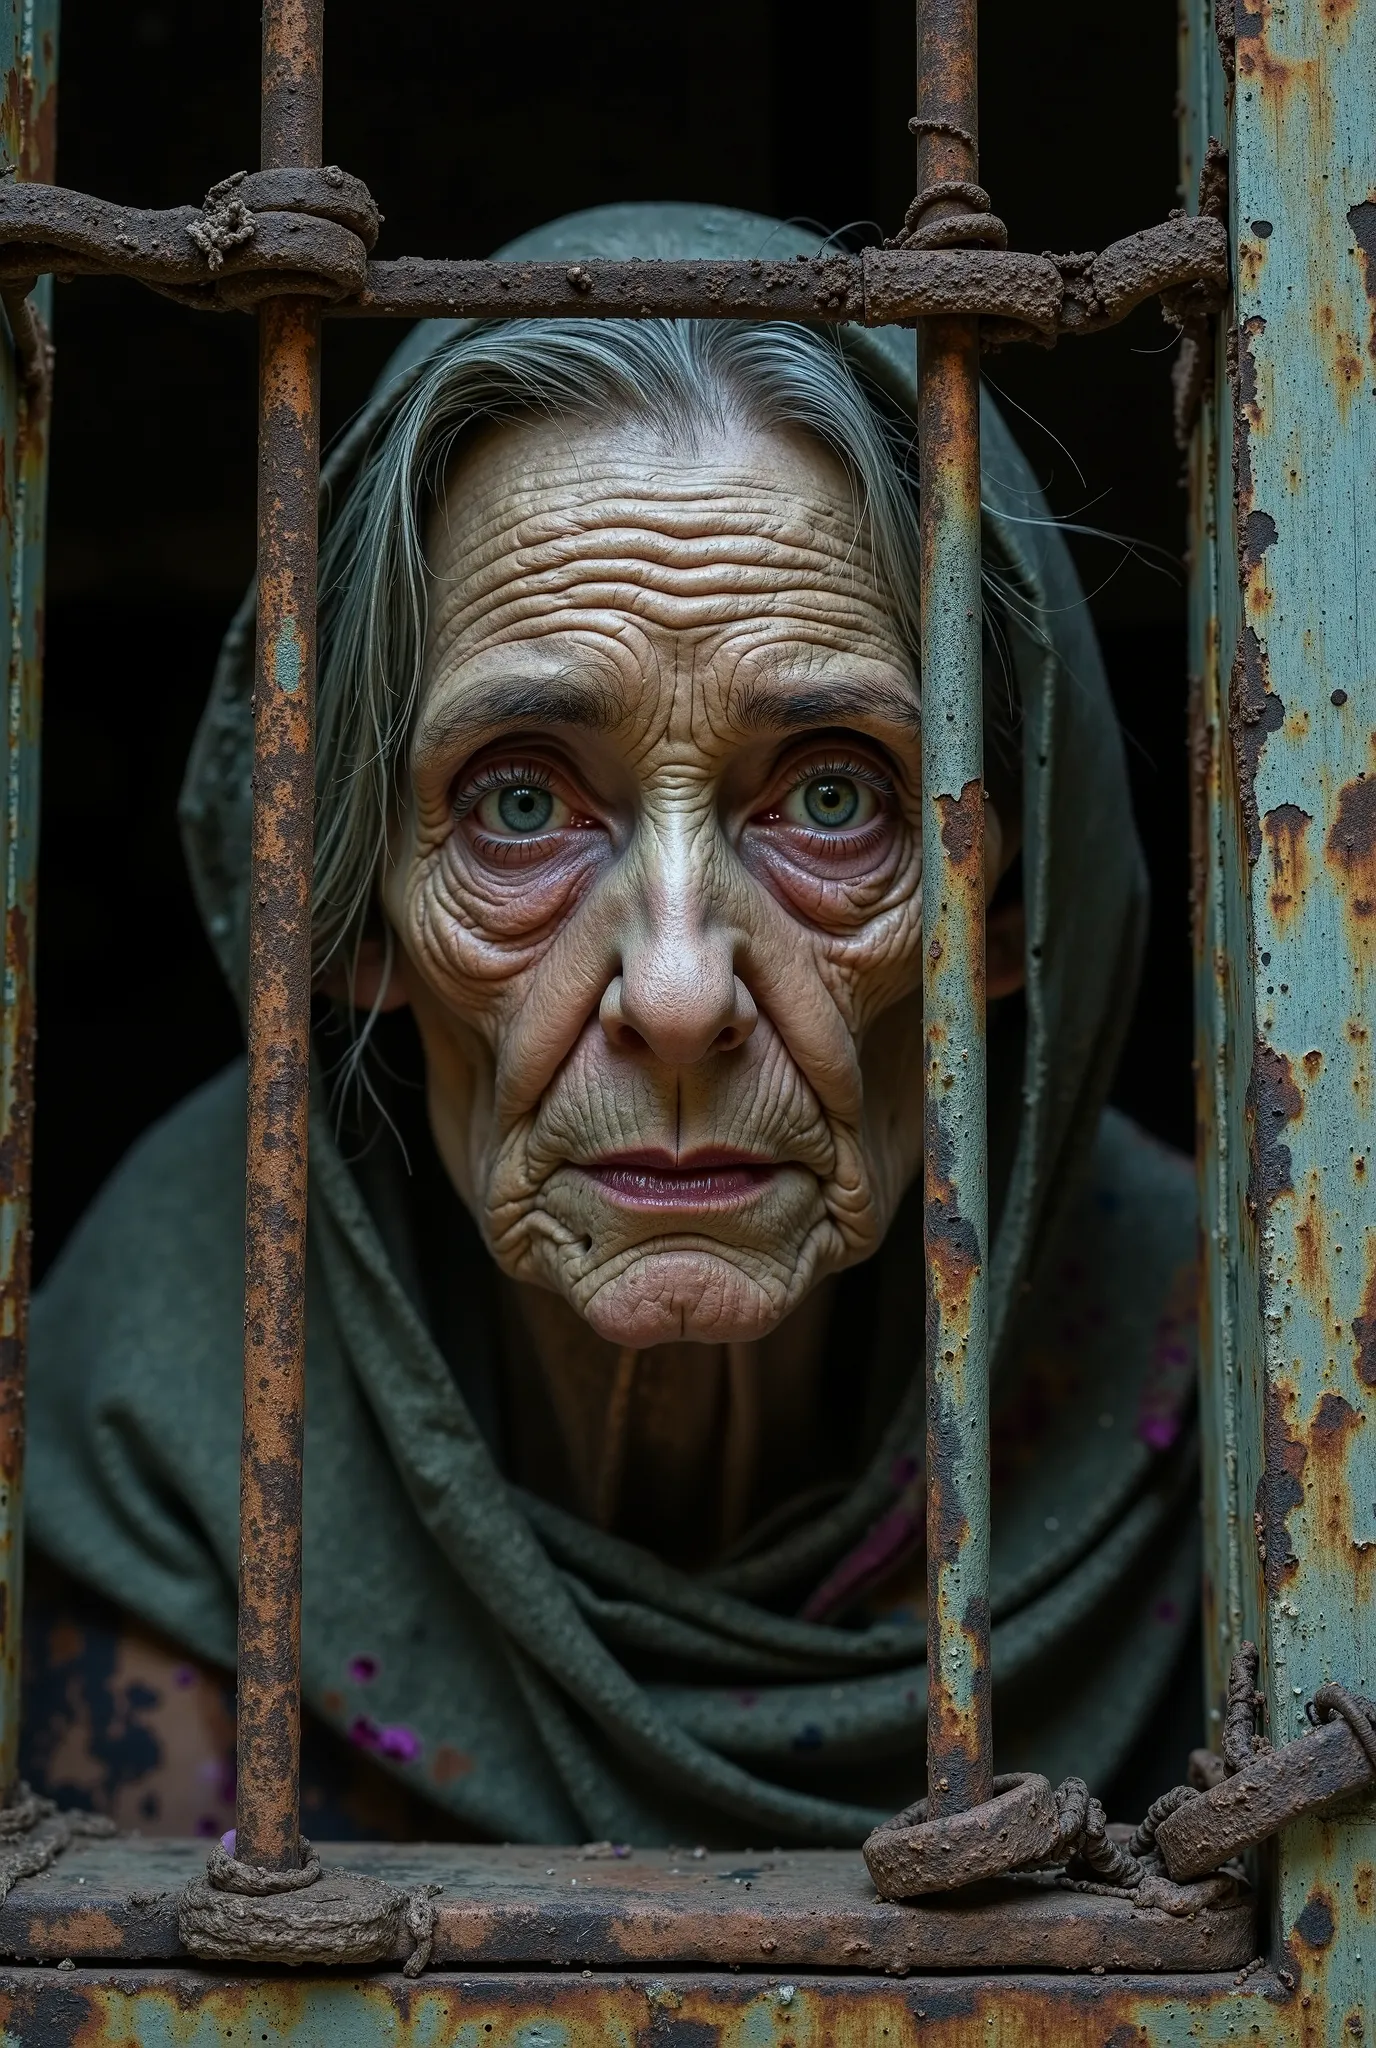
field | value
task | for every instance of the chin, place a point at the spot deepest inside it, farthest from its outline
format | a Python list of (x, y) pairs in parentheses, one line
[(684, 1297)]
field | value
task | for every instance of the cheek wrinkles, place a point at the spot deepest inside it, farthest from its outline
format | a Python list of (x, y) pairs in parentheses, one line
[(474, 933)]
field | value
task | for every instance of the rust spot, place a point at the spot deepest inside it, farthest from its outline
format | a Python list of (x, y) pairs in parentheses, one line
[(1316, 1925), (86, 1932), (449, 1764), (1364, 1324), (1254, 712), (1312, 1064), (1247, 420), (1284, 829), (1364, 1886), (1277, 76), (1310, 1234), (1351, 848), (962, 828), (1280, 1490), (1335, 1422), (1272, 1102), (1200, 780)]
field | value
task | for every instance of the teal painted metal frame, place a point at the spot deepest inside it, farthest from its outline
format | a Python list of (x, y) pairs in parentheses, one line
[(1283, 661)]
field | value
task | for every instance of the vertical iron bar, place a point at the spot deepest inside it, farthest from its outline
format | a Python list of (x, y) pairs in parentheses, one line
[(269, 1704), (959, 1738), (26, 139)]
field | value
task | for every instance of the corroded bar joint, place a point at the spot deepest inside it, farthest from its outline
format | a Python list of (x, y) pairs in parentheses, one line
[(959, 1740), (269, 1703)]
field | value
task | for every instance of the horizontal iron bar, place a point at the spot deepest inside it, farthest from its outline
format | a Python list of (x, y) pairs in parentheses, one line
[(299, 249)]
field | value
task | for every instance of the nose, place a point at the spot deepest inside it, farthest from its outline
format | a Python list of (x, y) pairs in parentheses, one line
[(678, 993)]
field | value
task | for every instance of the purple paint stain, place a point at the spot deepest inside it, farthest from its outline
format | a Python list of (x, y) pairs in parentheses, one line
[(1166, 1611), (183, 1676), (399, 1744), (227, 1840), (1158, 1432), (363, 1670)]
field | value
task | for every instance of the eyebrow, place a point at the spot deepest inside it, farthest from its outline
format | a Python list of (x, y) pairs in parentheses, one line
[(564, 700), (760, 709), (593, 707)]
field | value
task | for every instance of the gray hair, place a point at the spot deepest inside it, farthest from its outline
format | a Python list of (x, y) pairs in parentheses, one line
[(682, 376)]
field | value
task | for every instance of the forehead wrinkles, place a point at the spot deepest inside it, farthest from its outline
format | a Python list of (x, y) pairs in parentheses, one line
[(687, 551)]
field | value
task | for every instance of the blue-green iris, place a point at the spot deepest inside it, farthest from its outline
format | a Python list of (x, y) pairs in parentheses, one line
[(525, 808), (831, 800)]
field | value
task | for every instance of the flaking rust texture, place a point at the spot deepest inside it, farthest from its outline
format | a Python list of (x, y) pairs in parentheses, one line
[(672, 2010), (1286, 917), (959, 1741), (27, 114), (270, 1480)]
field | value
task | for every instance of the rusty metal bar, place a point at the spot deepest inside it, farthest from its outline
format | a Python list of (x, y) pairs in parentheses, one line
[(959, 1738), (269, 1703), (26, 133)]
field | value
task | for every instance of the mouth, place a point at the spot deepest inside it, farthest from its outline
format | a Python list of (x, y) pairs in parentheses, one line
[(700, 1180)]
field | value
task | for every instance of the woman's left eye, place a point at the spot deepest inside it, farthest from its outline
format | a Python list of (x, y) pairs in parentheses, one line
[(518, 810), (830, 803)]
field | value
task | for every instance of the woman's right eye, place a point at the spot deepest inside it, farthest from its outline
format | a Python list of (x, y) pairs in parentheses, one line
[(520, 810)]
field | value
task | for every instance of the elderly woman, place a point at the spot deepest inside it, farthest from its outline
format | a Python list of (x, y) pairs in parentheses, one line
[(613, 1495)]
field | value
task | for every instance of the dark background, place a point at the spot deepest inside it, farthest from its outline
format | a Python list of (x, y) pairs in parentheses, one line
[(470, 124)]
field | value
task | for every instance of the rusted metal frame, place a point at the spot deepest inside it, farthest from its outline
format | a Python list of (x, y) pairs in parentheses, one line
[(26, 134), (1221, 965), (1282, 578), (500, 1907), (262, 234), (140, 2008), (269, 1666), (955, 1233)]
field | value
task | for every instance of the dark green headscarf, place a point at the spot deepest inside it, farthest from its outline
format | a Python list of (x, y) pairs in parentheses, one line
[(542, 1679)]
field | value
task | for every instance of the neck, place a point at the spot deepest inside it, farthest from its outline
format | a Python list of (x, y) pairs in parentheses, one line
[(680, 1447)]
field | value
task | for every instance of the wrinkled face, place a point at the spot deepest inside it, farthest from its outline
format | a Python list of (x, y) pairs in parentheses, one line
[(657, 883)]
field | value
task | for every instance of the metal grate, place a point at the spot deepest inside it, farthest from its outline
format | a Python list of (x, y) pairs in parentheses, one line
[(293, 240)]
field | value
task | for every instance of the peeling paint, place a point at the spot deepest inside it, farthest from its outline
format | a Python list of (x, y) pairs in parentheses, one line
[(1284, 830), (1255, 712)]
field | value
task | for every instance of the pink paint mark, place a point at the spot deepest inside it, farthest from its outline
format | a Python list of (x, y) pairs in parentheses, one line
[(227, 1840), (1168, 1387), (896, 1535), (399, 1744), (363, 1670)]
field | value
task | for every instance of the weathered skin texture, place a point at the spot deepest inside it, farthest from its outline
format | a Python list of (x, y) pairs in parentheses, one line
[(671, 1034)]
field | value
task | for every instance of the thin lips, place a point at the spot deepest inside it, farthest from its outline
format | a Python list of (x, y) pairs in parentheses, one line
[(688, 1164)]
